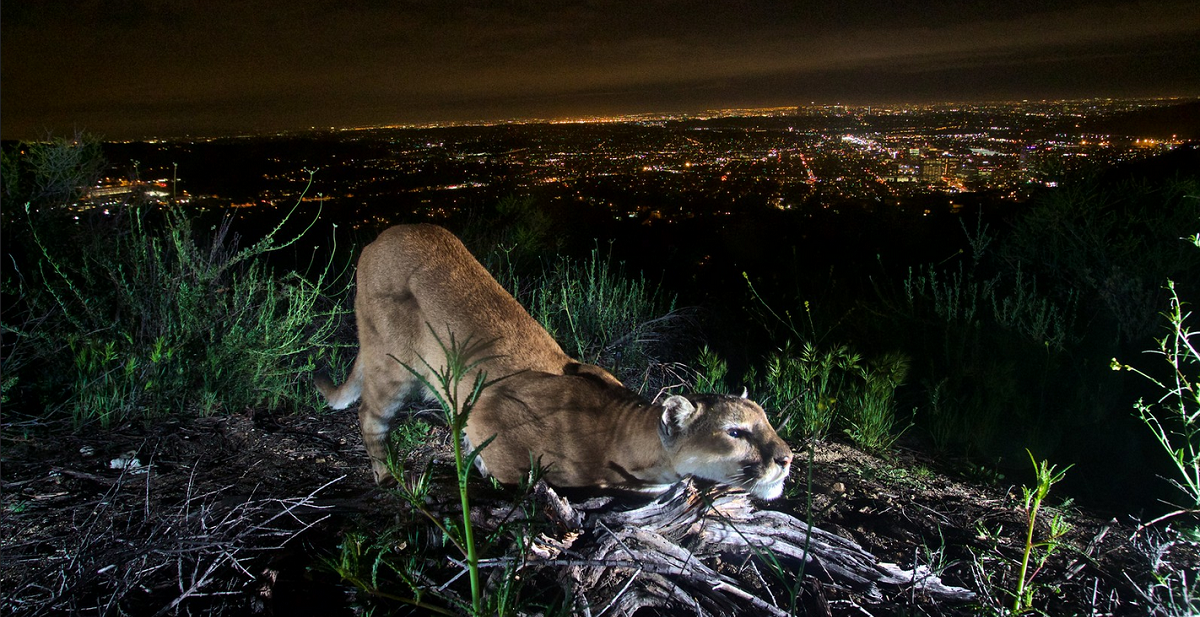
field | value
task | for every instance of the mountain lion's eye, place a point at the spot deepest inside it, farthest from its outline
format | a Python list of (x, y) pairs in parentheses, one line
[(736, 433)]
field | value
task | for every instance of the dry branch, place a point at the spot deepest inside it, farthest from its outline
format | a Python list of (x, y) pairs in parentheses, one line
[(675, 553), (131, 549)]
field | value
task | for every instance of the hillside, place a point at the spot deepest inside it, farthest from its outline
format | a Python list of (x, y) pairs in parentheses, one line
[(240, 514)]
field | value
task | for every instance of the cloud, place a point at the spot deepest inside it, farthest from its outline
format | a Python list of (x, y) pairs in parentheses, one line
[(325, 59)]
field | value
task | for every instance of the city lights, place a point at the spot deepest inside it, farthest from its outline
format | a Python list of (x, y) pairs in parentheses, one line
[(661, 168)]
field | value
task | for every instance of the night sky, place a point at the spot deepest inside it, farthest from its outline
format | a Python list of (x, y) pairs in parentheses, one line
[(128, 69)]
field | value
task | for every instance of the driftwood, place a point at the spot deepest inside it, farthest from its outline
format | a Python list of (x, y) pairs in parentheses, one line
[(698, 551)]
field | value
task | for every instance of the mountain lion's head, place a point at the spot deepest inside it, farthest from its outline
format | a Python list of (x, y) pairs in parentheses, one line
[(726, 439)]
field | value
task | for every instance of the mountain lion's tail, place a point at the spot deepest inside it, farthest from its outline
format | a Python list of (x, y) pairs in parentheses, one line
[(341, 397)]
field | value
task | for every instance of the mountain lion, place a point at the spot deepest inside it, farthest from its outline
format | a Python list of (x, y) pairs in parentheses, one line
[(418, 286)]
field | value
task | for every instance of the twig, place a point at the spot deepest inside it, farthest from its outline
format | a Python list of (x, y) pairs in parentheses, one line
[(620, 593), (1162, 518)]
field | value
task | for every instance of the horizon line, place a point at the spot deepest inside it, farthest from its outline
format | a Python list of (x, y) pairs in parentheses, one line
[(632, 117)]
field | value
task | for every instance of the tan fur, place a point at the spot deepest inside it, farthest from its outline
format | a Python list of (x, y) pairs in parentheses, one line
[(575, 420)]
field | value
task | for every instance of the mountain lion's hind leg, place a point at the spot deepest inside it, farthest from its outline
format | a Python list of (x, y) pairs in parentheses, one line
[(387, 384), (375, 427)]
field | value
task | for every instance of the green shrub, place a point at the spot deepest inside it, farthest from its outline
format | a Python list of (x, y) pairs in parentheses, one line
[(943, 421), (599, 314), (809, 389), (54, 171), (962, 300), (1113, 244), (812, 391), (142, 320), (988, 346), (710, 379), (1174, 419), (872, 421)]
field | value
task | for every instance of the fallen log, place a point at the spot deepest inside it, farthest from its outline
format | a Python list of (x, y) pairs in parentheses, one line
[(697, 550)]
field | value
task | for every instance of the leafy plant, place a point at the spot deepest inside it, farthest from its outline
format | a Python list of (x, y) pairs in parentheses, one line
[(364, 559), (447, 387), (408, 434), (1009, 586), (406, 562), (1174, 418), (1046, 477)]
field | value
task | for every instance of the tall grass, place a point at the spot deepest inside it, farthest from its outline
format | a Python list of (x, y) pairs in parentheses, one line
[(987, 343), (810, 388), (602, 316), (818, 388), (142, 318), (872, 424), (598, 313)]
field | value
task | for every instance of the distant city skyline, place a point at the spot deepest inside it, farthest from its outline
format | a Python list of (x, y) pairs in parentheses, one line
[(653, 169), (169, 69)]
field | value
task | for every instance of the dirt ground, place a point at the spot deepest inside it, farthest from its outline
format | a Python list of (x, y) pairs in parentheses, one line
[(238, 514)]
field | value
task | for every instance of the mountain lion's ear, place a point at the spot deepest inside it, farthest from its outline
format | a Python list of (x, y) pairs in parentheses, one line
[(677, 412)]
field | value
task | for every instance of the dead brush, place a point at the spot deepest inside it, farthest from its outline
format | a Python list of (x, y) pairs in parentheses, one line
[(134, 555)]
